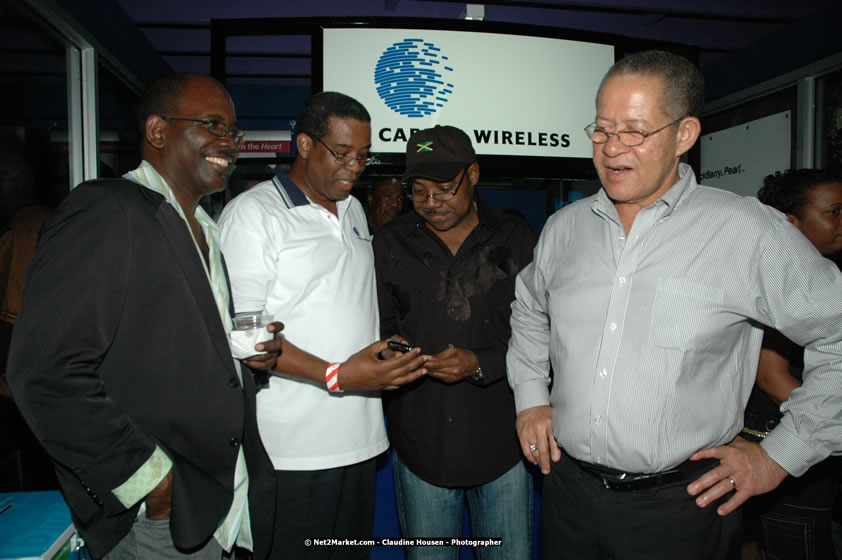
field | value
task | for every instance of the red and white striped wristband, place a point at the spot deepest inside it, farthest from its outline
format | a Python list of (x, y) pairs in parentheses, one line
[(332, 377)]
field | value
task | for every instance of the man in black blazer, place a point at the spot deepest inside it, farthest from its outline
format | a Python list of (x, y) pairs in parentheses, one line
[(120, 361)]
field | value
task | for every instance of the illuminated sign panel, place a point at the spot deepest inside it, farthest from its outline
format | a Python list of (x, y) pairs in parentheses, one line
[(514, 95)]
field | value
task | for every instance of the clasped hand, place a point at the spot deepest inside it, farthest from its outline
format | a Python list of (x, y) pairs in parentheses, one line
[(272, 349), (452, 364)]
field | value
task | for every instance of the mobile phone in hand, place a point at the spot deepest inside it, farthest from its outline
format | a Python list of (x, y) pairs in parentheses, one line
[(395, 346)]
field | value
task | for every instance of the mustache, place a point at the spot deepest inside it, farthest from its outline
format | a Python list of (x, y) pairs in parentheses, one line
[(229, 153)]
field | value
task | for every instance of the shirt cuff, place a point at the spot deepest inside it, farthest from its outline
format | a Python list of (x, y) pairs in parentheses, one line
[(529, 394), (145, 479), (788, 451)]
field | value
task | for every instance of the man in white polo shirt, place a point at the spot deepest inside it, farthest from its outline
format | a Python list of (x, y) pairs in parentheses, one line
[(298, 247)]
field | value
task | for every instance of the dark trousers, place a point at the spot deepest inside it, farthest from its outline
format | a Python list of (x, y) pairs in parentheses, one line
[(582, 520), (330, 503), (153, 539)]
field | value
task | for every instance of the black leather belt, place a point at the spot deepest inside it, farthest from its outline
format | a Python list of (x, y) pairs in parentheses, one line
[(621, 481)]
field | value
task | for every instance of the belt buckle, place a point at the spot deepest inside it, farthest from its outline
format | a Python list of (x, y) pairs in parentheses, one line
[(607, 479)]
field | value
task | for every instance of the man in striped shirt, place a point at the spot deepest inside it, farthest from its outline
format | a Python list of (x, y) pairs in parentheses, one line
[(647, 300)]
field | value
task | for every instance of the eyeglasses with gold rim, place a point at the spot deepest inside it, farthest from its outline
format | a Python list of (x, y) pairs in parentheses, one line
[(628, 138)]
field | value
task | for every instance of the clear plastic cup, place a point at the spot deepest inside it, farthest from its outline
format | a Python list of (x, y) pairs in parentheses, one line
[(249, 330), (251, 321)]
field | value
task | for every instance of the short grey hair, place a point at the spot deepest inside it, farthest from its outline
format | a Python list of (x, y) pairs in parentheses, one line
[(684, 85)]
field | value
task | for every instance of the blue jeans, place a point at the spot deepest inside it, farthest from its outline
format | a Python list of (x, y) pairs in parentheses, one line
[(501, 509)]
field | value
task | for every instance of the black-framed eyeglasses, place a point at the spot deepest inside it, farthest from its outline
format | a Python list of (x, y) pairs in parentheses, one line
[(344, 159), (442, 195), (216, 128), (629, 138)]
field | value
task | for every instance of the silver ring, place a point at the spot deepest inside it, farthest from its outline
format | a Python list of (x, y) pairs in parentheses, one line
[(533, 447), (734, 484)]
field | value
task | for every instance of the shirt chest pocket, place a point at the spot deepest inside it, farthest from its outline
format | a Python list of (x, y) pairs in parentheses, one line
[(684, 314)]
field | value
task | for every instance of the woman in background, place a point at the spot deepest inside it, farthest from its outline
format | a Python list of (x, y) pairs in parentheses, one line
[(797, 517)]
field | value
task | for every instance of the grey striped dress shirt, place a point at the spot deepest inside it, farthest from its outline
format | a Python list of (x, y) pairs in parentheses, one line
[(654, 337)]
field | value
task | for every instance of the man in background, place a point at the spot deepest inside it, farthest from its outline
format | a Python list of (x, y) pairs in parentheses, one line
[(385, 202), (23, 463)]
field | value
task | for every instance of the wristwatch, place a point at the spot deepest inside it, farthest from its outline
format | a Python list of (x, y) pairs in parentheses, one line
[(478, 376)]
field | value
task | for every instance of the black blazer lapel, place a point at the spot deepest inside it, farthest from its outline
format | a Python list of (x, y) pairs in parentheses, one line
[(189, 261)]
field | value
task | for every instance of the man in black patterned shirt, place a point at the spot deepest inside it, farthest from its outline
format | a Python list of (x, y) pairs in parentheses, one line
[(445, 275)]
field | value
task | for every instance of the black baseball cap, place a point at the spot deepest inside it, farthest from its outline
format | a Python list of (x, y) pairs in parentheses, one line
[(438, 154)]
